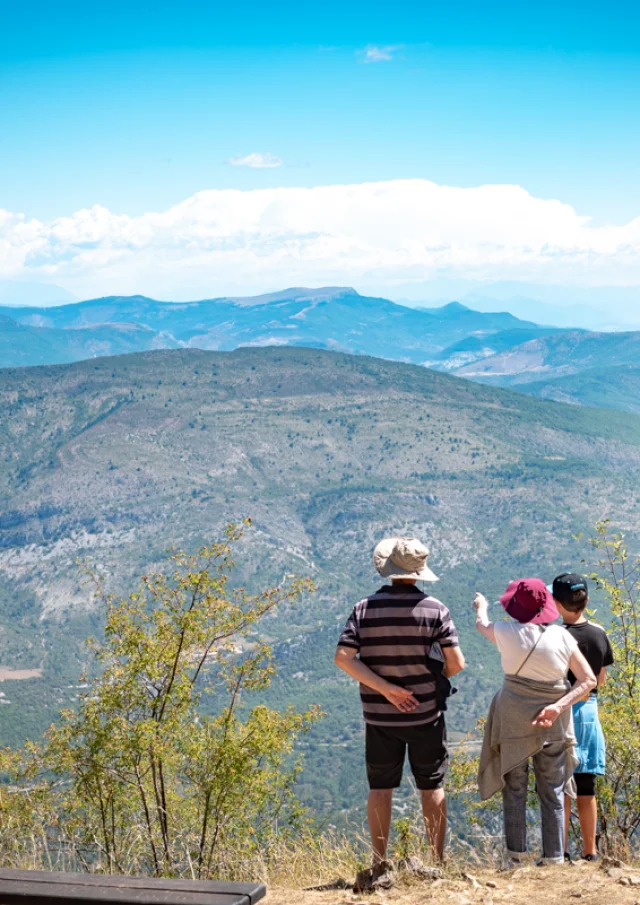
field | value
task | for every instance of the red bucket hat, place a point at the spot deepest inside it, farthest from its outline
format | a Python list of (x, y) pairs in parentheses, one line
[(529, 601)]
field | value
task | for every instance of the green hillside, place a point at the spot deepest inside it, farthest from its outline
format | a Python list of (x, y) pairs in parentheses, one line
[(557, 355), (614, 387), (118, 459)]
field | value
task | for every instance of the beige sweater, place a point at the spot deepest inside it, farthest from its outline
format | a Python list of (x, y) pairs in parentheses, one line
[(509, 738)]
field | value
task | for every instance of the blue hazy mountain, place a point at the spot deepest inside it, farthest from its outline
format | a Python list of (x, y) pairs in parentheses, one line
[(489, 347), (23, 344), (332, 318)]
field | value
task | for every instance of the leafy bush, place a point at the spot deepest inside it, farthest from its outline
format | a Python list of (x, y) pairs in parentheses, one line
[(138, 779), (619, 792)]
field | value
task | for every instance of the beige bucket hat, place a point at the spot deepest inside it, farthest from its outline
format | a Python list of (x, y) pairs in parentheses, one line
[(403, 557)]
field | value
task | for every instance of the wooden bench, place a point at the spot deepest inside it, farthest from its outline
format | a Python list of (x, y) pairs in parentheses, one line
[(41, 887)]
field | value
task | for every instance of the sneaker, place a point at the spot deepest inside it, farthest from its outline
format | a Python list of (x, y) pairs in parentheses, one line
[(567, 858), (589, 858), (380, 876)]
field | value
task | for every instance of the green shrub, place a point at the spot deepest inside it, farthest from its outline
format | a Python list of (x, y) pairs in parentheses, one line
[(138, 778)]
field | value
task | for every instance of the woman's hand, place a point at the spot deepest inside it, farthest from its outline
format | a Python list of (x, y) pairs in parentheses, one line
[(547, 716), (481, 606), (480, 602)]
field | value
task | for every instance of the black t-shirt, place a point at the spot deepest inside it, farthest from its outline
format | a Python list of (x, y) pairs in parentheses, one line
[(594, 644)]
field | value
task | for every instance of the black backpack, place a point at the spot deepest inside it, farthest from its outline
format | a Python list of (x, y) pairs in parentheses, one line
[(444, 688)]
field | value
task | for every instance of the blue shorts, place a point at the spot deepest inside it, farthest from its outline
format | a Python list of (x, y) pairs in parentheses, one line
[(590, 749)]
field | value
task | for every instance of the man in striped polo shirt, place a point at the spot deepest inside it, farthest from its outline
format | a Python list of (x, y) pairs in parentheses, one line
[(393, 644)]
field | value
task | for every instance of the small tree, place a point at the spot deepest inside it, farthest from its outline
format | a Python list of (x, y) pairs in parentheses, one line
[(619, 793), (138, 778)]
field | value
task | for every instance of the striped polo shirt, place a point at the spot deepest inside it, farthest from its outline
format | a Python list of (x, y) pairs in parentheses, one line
[(395, 630)]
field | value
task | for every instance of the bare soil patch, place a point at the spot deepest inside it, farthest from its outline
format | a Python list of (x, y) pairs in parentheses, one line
[(7, 673), (582, 883)]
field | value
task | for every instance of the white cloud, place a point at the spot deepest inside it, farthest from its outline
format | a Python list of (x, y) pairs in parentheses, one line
[(257, 161), (374, 53), (377, 236)]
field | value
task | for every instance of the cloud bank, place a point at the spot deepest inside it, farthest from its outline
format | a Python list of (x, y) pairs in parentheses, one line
[(373, 53), (377, 236), (257, 161)]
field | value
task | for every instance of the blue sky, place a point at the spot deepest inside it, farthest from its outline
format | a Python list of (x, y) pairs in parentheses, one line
[(138, 106)]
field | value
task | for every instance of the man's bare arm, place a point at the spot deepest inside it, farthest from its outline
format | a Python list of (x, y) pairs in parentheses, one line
[(454, 661), (347, 659)]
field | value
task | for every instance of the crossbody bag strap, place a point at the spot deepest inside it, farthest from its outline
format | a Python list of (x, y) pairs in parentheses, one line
[(526, 659)]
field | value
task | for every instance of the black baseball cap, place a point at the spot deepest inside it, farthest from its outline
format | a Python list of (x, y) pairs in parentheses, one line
[(566, 585)]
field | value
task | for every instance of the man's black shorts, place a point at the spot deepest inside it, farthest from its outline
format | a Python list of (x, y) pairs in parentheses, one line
[(428, 756)]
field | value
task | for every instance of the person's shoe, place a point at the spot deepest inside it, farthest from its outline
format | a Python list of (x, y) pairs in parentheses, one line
[(589, 858), (380, 876), (416, 867), (567, 858)]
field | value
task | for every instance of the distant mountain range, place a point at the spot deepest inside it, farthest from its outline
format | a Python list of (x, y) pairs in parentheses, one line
[(333, 318), (591, 307), (498, 348)]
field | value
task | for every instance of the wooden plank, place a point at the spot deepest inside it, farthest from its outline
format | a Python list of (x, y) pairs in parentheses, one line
[(253, 891), (37, 892), (26, 892)]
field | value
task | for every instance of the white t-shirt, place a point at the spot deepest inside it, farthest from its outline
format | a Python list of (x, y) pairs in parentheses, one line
[(550, 660)]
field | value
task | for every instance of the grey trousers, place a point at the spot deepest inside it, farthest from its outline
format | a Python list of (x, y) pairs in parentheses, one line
[(549, 769)]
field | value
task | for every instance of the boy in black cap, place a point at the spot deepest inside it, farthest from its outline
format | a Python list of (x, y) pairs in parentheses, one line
[(571, 594)]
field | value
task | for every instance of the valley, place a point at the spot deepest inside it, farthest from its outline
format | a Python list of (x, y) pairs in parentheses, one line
[(113, 461)]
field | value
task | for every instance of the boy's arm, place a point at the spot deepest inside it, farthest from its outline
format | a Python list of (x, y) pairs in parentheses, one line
[(346, 658), (481, 606), (602, 676)]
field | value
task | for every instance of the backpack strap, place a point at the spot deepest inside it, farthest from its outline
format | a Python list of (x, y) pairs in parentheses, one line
[(543, 628)]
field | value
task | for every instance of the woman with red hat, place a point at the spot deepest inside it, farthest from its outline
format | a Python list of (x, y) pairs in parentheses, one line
[(530, 717)]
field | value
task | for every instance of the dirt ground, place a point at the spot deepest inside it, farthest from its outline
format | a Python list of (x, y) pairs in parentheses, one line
[(591, 884)]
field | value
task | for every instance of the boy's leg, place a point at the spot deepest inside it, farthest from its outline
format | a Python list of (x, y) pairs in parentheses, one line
[(587, 811), (588, 814)]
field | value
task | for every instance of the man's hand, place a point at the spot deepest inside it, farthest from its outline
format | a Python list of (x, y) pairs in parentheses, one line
[(547, 716), (347, 659), (401, 698)]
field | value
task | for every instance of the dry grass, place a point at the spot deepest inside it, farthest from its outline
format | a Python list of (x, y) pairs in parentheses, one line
[(587, 884)]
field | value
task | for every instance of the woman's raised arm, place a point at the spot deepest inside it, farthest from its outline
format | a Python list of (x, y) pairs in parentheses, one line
[(481, 606)]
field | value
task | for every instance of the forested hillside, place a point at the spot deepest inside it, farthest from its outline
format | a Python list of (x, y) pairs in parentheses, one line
[(119, 459)]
